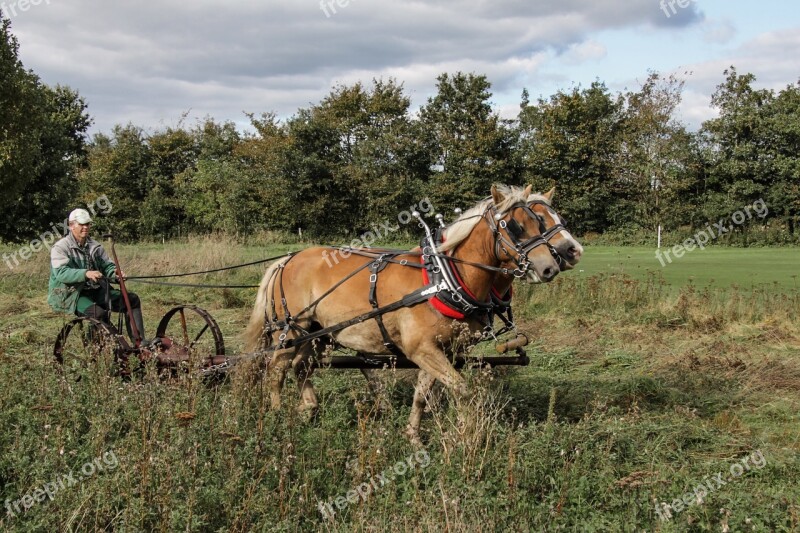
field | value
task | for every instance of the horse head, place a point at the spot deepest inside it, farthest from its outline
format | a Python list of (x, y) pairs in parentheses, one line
[(519, 241), (566, 249)]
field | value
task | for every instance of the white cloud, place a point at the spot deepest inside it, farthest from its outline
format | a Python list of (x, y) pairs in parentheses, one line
[(586, 51), (773, 57), (148, 63)]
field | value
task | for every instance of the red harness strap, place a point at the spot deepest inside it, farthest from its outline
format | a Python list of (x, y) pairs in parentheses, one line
[(503, 298), (441, 306)]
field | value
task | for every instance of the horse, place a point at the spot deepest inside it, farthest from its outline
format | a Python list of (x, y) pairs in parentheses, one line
[(569, 252), (306, 293)]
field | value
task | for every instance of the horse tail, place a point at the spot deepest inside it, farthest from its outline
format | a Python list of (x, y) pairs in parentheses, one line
[(253, 335)]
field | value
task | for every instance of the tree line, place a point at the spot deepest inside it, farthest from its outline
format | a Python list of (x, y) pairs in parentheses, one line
[(621, 162)]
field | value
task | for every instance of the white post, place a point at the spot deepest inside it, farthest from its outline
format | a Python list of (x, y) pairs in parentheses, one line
[(659, 236)]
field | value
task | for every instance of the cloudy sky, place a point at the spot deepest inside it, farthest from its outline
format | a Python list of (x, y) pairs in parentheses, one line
[(150, 63)]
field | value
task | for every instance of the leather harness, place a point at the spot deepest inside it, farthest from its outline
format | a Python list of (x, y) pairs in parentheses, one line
[(442, 286)]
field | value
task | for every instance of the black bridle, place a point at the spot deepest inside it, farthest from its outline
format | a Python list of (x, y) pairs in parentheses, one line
[(549, 233), (515, 231)]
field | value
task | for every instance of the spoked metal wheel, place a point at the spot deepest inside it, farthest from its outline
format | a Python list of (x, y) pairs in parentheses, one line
[(86, 346), (189, 335)]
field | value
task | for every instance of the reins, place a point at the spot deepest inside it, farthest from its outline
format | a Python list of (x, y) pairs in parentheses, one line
[(147, 279), (234, 267), (365, 253), (195, 285), (522, 249)]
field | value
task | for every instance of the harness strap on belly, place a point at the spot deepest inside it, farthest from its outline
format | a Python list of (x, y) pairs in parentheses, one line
[(378, 265)]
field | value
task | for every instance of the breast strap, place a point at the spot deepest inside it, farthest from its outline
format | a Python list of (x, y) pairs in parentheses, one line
[(454, 300)]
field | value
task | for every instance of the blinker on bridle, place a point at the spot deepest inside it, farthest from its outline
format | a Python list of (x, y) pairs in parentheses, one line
[(515, 232)]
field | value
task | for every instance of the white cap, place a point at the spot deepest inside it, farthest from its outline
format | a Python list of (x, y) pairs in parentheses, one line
[(81, 216)]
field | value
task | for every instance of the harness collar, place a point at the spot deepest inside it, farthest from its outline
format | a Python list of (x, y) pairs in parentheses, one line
[(453, 299)]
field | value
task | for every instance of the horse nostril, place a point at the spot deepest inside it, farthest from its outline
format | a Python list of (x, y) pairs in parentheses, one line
[(571, 251), (548, 273)]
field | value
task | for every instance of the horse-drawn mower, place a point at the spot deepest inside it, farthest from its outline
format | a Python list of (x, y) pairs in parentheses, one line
[(189, 339)]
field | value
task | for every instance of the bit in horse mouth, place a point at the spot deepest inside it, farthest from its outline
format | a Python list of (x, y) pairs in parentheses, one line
[(533, 277)]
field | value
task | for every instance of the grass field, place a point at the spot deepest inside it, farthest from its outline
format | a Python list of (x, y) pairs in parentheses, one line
[(713, 267), (647, 386)]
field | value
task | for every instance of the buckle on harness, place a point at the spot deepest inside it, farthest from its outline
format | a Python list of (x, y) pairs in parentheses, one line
[(459, 299), (282, 336)]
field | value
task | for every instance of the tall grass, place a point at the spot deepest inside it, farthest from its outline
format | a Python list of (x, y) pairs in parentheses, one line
[(634, 395), (617, 295)]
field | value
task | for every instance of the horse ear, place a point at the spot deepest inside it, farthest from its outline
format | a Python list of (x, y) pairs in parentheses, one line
[(549, 194), (497, 196), (527, 191)]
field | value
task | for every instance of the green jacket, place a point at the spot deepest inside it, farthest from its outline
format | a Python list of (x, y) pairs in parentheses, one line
[(69, 263)]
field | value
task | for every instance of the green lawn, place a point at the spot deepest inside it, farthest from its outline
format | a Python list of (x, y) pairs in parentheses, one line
[(718, 267)]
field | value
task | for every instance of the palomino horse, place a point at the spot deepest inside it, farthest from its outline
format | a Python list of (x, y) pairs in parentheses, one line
[(562, 242), (306, 293), (569, 253)]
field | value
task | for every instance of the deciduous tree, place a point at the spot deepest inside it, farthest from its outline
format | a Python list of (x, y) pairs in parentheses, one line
[(42, 144)]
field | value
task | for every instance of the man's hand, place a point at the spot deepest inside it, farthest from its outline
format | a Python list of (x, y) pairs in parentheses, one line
[(120, 275), (94, 275)]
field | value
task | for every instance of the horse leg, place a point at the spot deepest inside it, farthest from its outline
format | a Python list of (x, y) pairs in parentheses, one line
[(302, 371), (277, 368), (433, 366), (422, 389), (433, 361)]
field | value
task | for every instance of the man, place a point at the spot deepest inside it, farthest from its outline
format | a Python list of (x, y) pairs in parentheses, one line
[(79, 273)]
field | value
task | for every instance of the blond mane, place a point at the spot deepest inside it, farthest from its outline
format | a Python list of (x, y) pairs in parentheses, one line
[(539, 198), (463, 226)]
